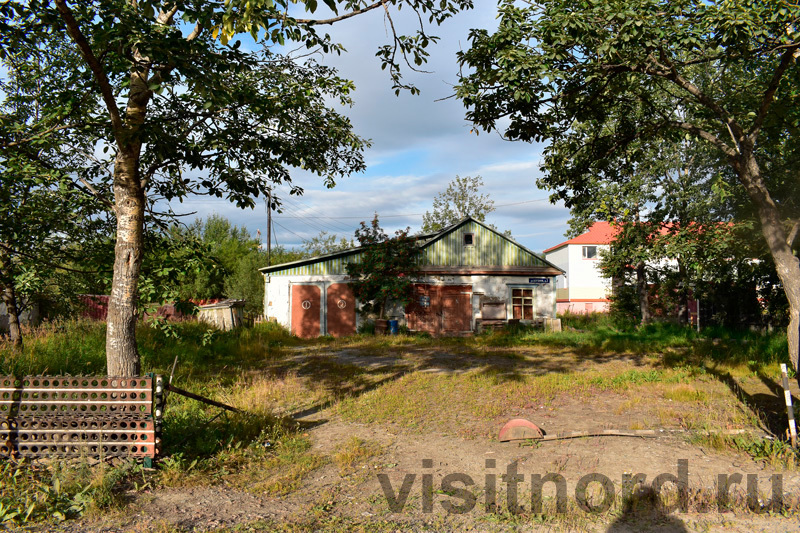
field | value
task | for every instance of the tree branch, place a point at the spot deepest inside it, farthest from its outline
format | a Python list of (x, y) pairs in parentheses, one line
[(45, 262), (165, 17), (97, 69), (703, 134), (198, 28), (40, 134), (105, 201), (793, 233), (704, 99), (787, 58), (314, 22)]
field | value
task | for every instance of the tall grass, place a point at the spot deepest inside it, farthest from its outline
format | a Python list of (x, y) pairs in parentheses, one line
[(77, 347), (201, 444), (598, 332)]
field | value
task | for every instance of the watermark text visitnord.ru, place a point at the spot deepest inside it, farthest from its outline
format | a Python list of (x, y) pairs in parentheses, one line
[(455, 492)]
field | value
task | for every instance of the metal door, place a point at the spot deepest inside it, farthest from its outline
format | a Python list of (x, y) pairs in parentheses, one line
[(306, 309)]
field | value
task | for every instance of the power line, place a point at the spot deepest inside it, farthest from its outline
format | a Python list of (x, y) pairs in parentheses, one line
[(290, 231), (415, 214), (303, 206)]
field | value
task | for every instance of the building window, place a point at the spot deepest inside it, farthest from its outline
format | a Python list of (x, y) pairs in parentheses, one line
[(522, 304), (469, 239), (590, 252)]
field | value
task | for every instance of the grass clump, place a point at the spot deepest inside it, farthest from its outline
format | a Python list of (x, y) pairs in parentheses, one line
[(773, 452), (353, 452)]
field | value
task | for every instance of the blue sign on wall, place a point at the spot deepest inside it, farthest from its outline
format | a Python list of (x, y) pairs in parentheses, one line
[(539, 280)]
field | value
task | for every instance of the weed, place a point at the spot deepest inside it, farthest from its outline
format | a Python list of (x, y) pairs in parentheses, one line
[(30, 493), (776, 453)]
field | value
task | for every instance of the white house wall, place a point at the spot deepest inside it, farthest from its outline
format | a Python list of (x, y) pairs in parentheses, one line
[(560, 258), (585, 280), (278, 293)]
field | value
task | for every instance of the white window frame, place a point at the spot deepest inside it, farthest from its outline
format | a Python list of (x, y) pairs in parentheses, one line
[(584, 250)]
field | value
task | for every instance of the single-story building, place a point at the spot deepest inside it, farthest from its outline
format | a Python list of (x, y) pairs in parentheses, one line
[(468, 272)]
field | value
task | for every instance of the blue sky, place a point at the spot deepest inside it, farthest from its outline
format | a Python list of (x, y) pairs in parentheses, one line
[(419, 144)]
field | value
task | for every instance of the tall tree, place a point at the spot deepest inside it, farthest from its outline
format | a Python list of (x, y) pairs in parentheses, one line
[(325, 243), (182, 108), (47, 218), (461, 199), (597, 76)]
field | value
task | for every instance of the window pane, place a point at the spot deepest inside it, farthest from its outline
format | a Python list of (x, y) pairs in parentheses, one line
[(517, 312), (528, 312)]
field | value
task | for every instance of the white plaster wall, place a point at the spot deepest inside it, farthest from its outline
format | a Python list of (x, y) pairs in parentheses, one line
[(584, 278), (560, 258)]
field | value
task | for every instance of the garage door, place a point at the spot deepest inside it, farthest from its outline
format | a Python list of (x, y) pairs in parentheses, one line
[(306, 307), (456, 311), (440, 309), (341, 310)]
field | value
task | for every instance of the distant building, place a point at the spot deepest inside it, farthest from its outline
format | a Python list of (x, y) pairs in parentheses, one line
[(469, 273), (582, 288), (224, 314)]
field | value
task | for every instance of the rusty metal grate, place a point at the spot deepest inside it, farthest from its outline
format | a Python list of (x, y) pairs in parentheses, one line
[(44, 416)]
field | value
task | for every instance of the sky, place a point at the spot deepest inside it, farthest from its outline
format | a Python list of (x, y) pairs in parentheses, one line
[(419, 143)]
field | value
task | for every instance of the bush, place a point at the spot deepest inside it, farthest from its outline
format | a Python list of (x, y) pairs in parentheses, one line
[(367, 327)]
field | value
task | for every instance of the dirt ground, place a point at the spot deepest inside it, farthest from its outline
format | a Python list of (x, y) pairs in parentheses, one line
[(425, 459)]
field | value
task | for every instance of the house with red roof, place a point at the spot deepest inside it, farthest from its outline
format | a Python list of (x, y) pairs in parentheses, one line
[(582, 288)]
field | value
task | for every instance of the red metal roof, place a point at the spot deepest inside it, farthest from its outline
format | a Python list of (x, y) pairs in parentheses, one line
[(598, 233)]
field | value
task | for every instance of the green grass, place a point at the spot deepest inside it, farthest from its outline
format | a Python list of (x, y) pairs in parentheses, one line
[(201, 444), (33, 493), (670, 341), (78, 348)]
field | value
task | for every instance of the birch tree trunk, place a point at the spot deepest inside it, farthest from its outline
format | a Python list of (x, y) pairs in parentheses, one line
[(122, 356)]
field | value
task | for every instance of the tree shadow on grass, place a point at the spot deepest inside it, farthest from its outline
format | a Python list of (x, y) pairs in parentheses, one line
[(768, 408)]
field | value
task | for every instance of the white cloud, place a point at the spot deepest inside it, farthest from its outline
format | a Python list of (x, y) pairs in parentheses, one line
[(419, 144)]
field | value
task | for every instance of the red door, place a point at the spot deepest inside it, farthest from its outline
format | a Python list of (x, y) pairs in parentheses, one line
[(456, 310), (341, 310), (440, 309), (306, 307), (422, 313)]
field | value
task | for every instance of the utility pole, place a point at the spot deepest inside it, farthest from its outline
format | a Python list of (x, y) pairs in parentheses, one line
[(269, 228)]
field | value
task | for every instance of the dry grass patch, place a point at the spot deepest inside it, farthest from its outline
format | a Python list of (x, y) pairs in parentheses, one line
[(277, 396), (685, 393), (353, 453)]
